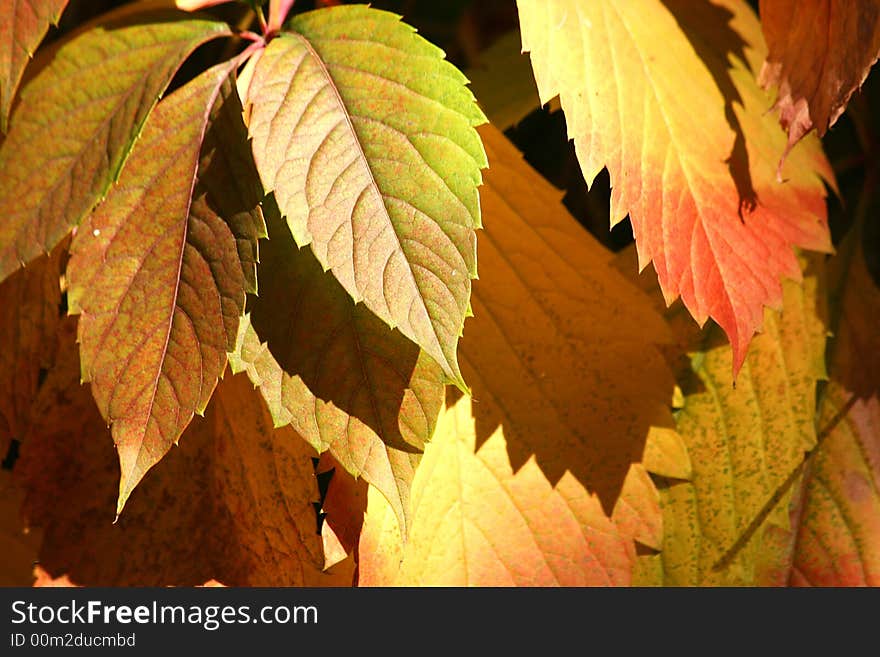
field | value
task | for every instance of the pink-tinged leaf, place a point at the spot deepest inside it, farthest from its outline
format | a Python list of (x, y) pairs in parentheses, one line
[(156, 276), (193, 5), (278, 10), (23, 26), (838, 542), (663, 94), (79, 117), (366, 136), (820, 52)]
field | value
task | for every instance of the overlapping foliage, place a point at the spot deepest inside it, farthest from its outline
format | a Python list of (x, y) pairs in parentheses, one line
[(281, 285)]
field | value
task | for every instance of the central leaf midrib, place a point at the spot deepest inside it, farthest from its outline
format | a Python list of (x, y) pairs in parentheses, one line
[(373, 185), (154, 384)]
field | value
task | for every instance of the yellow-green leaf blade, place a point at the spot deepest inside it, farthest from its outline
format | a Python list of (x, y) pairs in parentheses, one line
[(20, 34), (745, 445), (78, 119), (156, 277), (838, 537), (366, 136)]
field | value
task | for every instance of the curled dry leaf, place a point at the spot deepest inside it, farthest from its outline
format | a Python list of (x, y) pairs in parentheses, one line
[(819, 53)]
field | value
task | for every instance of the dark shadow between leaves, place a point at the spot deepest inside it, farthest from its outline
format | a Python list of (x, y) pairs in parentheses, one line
[(707, 27), (343, 353)]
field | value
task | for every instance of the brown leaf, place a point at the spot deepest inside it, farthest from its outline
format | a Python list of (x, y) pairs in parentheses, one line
[(30, 298), (232, 503), (820, 52)]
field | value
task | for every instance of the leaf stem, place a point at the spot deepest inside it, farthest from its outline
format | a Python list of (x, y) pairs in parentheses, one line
[(728, 557), (262, 20)]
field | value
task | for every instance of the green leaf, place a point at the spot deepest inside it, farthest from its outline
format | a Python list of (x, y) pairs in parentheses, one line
[(366, 136), (335, 372), (155, 273), (21, 31), (79, 118), (746, 445)]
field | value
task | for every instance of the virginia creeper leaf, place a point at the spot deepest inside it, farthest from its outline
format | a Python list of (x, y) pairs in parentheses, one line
[(204, 513), (265, 480), (664, 95), (477, 522), (155, 274), (343, 510), (745, 443), (838, 539), (512, 487), (331, 369), (31, 299), (819, 54), (78, 119), (562, 326), (365, 134), (24, 25), (839, 529)]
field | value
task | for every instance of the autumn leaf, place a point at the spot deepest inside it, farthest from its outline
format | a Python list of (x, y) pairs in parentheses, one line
[(819, 54), (78, 119), (664, 95), (265, 481), (365, 135), (728, 523), (233, 503), (551, 324), (838, 532), (20, 33), (332, 370), (477, 523), (156, 275), (517, 485), (31, 298)]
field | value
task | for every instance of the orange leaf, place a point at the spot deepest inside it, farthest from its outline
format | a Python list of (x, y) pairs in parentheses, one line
[(820, 52), (664, 95)]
